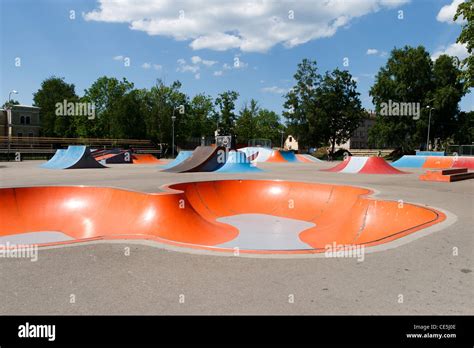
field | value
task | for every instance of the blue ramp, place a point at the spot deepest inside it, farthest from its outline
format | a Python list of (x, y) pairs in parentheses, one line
[(410, 162), (237, 162), (289, 156), (182, 156), (430, 153), (74, 157), (52, 163)]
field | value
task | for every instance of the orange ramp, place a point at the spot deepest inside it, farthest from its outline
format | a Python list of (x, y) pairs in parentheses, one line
[(447, 175), (145, 159), (276, 157), (438, 162), (186, 214)]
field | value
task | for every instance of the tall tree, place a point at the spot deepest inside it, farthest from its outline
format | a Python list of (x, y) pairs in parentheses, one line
[(199, 120), (339, 107), (464, 134), (410, 76), (55, 90), (268, 126), (127, 117), (105, 94), (466, 10), (226, 113), (445, 96), (246, 124), (301, 105), (159, 103)]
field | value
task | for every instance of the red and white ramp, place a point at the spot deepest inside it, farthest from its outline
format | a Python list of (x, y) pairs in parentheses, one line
[(364, 165)]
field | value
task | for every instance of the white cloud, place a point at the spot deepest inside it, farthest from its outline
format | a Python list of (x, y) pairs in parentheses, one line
[(274, 90), (446, 14), (217, 73), (118, 58), (209, 62), (240, 24), (455, 50), (149, 66), (198, 60), (195, 66), (374, 51), (184, 67)]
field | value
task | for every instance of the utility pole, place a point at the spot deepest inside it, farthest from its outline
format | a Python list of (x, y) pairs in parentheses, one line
[(429, 126), (9, 121)]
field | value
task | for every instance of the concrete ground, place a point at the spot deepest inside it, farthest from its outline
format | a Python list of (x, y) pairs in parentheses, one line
[(428, 275)]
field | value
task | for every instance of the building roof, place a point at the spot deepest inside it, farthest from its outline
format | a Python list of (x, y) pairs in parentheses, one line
[(26, 106)]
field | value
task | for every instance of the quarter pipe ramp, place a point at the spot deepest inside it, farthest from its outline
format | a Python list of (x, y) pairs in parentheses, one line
[(203, 159), (237, 162), (75, 157), (182, 156)]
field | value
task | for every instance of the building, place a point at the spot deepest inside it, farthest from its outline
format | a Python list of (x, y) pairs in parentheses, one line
[(360, 137), (24, 121), (291, 143)]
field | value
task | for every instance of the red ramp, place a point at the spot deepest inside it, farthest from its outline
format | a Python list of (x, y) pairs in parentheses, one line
[(463, 162), (364, 165)]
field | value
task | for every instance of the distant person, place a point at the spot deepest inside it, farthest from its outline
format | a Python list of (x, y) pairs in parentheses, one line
[(328, 150)]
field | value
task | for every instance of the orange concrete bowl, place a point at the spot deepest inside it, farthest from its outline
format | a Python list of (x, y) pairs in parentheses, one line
[(186, 214)]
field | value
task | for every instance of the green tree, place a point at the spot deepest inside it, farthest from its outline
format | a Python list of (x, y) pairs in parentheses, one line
[(158, 105), (10, 103), (127, 119), (226, 115), (55, 90), (410, 76), (268, 126), (339, 107), (445, 96), (466, 10), (246, 124), (301, 105), (199, 120), (464, 134), (105, 94)]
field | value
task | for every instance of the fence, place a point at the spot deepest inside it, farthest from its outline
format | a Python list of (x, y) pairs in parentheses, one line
[(38, 147), (460, 150)]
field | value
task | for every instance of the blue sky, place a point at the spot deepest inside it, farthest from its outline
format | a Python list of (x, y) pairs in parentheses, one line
[(95, 43)]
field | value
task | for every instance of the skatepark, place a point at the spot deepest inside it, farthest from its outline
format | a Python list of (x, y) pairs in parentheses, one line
[(236, 236)]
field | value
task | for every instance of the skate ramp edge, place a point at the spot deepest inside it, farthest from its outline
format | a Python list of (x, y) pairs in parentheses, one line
[(193, 215)]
